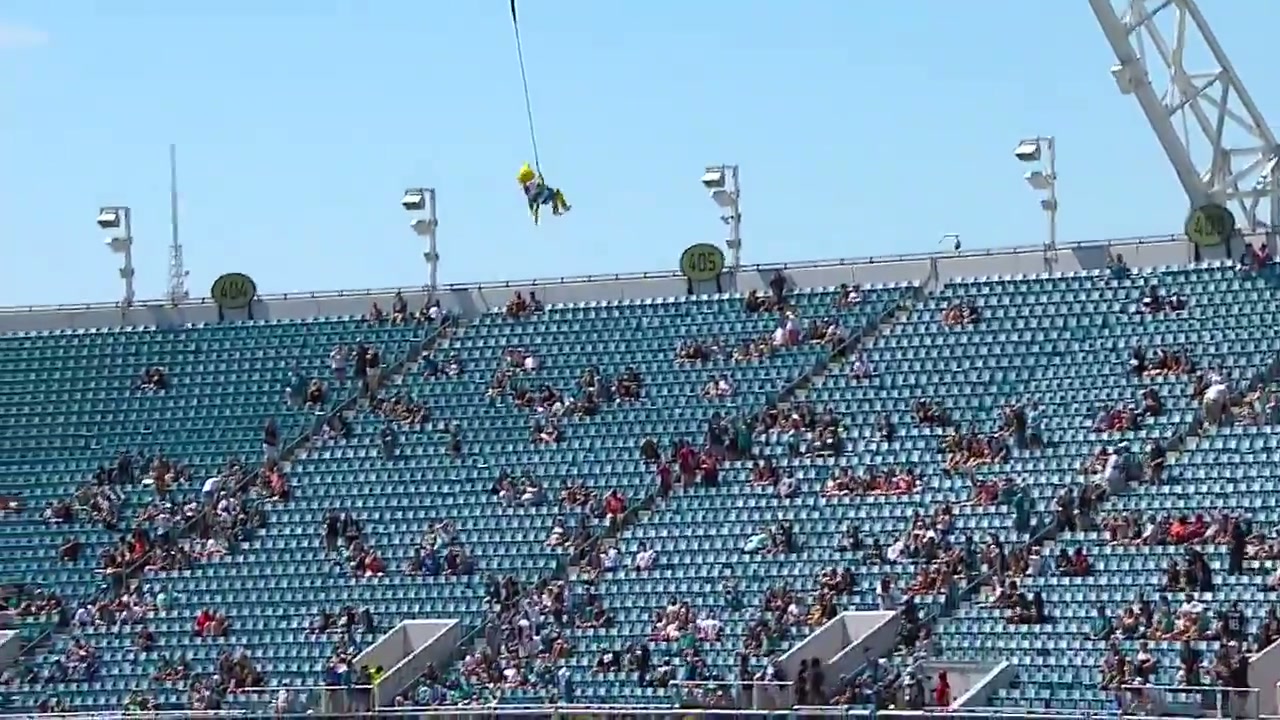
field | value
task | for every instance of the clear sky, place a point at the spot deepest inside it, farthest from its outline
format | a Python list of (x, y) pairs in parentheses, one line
[(861, 129)]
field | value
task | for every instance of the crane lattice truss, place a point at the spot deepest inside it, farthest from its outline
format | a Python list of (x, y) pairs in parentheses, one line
[(1213, 133)]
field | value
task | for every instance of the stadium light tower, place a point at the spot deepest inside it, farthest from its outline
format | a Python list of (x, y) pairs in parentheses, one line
[(1233, 159), (119, 220), (1043, 178), (722, 181), (421, 204)]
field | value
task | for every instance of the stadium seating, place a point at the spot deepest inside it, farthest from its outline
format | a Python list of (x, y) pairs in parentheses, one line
[(1062, 342), (71, 402)]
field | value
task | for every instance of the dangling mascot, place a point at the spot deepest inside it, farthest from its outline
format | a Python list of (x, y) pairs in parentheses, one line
[(538, 193)]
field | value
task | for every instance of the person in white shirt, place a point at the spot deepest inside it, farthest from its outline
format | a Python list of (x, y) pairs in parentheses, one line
[(1115, 472), (887, 595), (724, 388), (530, 363), (84, 616), (1215, 402), (858, 368), (210, 489), (897, 551), (708, 629), (611, 559), (779, 338), (645, 558), (338, 363), (1190, 606), (786, 487)]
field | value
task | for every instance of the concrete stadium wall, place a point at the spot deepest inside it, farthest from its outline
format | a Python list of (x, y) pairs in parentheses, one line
[(1264, 676), (10, 647), (473, 299)]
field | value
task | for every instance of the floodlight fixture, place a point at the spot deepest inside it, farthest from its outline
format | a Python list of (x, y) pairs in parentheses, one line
[(726, 193), (1038, 180), (414, 200), (108, 219), (1043, 179), (119, 218), (1028, 150), (421, 203), (723, 198)]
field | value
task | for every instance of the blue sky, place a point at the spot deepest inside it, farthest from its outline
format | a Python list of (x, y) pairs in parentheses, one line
[(861, 129)]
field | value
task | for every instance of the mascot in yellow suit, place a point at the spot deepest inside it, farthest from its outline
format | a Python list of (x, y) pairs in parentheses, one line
[(538, 193)]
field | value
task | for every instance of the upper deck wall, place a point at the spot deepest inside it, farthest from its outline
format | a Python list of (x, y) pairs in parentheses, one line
[(472, 299)]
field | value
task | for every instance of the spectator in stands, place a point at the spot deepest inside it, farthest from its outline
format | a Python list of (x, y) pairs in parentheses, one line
[(848, 295), (1269, 631), (787, 333), (270, 440), (717, 386), (1119, 418), (828, 333), (153, 378), (69, 550), (210, 624), (399, 309), (372, 366), (518, 306), (930, 413), (1255, 257), (1117, 268), (1074, 564), (778, 285), (859, 368), (645, 558), (338, 363), (545, 431), (1152, 301), (960, 314), (615, 508), (316, 395), (1027, 611)]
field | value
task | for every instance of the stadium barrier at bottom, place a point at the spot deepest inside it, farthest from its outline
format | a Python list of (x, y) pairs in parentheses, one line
[(621, 712), (1135, 702)]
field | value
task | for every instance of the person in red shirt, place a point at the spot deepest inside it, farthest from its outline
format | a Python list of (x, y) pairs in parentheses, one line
[(1080, 563), (615, 506), (202, 621), (710, 467), (664, 480), (942, 691), (687, 459)]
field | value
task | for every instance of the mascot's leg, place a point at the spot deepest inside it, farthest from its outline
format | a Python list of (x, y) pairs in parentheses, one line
[(559, 205), (536, 210)]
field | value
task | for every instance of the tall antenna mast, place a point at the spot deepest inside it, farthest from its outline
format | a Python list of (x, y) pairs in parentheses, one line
[(177, 275)]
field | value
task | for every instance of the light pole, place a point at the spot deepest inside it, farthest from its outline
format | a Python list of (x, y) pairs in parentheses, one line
[(722, 181), (1043, 179), (421, 204), (119, 219)]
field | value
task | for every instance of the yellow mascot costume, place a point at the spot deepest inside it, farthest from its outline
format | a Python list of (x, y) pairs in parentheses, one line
[(538, 193)]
